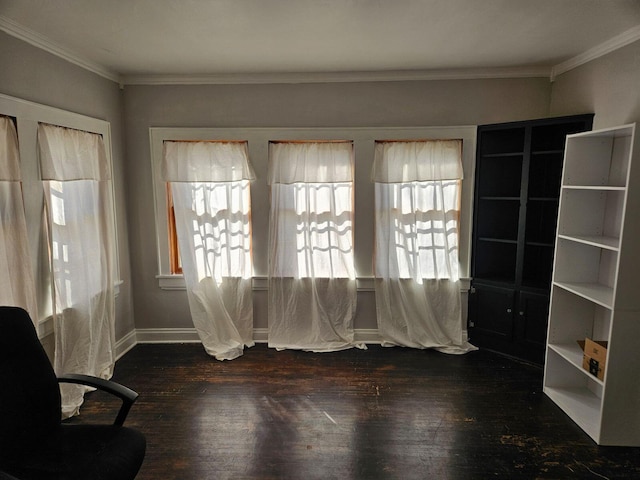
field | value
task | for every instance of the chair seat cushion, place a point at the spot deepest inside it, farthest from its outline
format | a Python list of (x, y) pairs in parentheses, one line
[(84, 452)]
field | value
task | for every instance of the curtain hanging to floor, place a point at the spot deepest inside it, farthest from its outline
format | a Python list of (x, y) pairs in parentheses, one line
[(417, 284), (312, 286), (77, 182), (17, 287), (211, 197)]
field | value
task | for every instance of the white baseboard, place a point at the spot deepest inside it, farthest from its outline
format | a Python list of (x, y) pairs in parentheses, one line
[(125, 344), (167, 335), (367, 335), (189, 335)]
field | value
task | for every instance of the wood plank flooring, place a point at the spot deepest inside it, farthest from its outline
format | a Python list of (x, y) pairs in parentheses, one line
[(387, 413)]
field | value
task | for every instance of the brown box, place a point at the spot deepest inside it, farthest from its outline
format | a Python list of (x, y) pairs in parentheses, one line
[(595, 356)]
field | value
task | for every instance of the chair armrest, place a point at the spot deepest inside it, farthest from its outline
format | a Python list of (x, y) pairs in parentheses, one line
[(6, 476), (127, 395)]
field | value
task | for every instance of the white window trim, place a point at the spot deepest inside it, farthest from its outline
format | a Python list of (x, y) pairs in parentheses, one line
[(28, 115), (258, 141)]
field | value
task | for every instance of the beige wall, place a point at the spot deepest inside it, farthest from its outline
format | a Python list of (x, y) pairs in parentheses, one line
[(608, 86), (32, 74), (388, 104)]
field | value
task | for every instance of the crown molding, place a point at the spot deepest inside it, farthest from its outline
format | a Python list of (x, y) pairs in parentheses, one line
[(625, 38), (40, 41), (338, 77)]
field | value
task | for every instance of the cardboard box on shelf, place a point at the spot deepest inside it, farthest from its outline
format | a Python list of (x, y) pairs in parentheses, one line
[(595, 356)]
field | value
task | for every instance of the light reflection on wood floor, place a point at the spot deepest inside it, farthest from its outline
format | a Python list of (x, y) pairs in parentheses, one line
[(380, 413)]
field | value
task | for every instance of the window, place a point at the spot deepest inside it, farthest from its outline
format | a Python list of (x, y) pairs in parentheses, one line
[(417, 200), (233, 236), (259, 140), (417, 207), (312, 288), (17, 287), (219, 227), (211, 223), (418, 223), (76, 240), (313, 230), (175, 264), (216, 213), (312, 220), (28, 118), (76, 174)]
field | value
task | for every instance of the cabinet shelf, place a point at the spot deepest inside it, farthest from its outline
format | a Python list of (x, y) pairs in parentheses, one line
[(582, 405), (573, 354), (600, 294), (608, 243), (539, 244), (503, 154), (497, 240), (492, 281), (499, 198), (548, 152), (604, 188), (544, 199)]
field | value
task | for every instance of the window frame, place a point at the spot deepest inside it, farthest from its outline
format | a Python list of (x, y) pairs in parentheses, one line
[(402, 270), (27, 116), (288, 207), (175, 265), (258, 139)]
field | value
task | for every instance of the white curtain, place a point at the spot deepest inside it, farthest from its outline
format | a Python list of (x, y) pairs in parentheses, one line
[(77, 182), (417, 285), (312, 286), (211, 199), (17, 287)]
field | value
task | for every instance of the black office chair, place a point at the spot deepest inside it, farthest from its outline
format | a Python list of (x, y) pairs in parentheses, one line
[(34, 443)]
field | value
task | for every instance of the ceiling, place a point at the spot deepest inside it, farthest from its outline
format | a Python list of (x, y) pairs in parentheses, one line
[(134, 40)]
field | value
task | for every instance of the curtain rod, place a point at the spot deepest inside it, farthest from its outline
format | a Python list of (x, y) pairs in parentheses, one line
[(70, 128)]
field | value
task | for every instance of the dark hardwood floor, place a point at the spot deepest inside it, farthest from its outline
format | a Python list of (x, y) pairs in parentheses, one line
[(381, 413)]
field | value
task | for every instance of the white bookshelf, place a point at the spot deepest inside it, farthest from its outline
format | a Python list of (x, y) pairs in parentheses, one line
[(594, 294)]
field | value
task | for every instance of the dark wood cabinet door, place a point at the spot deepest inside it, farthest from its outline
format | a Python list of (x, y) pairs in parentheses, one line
[(517, 186), (508, 321), (531, 319), (491, 313)]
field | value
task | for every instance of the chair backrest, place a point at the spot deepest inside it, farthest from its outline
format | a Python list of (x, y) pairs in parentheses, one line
[(29, 392)]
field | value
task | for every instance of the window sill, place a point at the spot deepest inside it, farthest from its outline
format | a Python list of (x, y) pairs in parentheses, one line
[(365, 284)]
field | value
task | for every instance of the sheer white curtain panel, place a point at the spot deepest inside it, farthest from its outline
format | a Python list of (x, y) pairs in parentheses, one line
[(77, 181), (312, 285), (17, 287), (417, 285), (210, 185)]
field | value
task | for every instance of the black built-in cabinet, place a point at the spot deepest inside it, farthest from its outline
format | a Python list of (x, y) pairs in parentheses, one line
[(517, 187)]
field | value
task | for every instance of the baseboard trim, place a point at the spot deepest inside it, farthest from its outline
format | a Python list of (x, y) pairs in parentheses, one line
[(260, 335), (167, 335), (125, 344), (190, 335)]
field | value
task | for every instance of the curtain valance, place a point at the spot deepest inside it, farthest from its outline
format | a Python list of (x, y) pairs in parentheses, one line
[(310, 162), (206, 162), (68, 154), (417, 161), (9, 152)]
